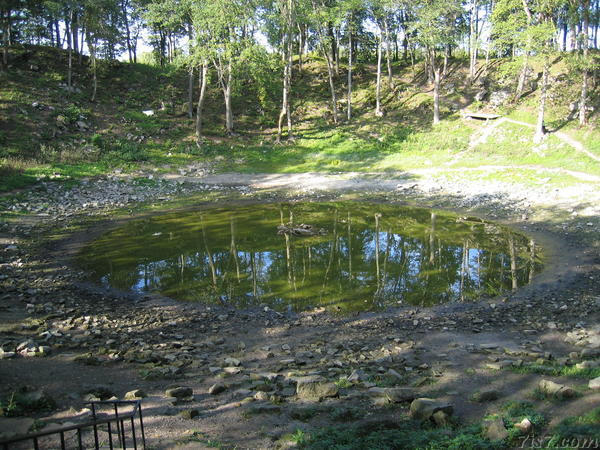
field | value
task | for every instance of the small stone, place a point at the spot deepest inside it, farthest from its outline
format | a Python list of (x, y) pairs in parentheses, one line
[(315, 388), (6, 355), (556, 390), (524, 426), (357, 376), (424, 408), (500, 364), (135, 394), (189, 413), (232, 362), (394, 374), (595, 383), (217, 388), (587, 364), (261, 396), (393, 395), (495, 430), (441, 419), (179, 392)]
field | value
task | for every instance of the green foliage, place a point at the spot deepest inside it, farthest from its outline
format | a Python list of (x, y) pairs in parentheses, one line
[(24, 402), (298, 437), (403, 434), (73, 113), (97, 140), (558, 370), (517, 411), (578, 432), (260, 71), (343, 383), (125, 151)]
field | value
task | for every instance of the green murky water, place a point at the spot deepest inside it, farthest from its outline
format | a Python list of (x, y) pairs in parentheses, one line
[(362, 256)]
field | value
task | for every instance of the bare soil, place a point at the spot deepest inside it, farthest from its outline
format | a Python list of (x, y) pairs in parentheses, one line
[(153, 343)]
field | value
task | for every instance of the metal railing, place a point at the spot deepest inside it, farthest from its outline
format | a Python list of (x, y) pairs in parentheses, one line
[(59, 436)]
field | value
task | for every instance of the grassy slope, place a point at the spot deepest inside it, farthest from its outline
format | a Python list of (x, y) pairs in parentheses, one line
[(404, 139)]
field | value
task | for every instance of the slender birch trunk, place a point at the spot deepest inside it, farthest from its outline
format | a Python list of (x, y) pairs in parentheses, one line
[(584, 82), (378, 111), (349, 99), (202, 81), (540, 129)]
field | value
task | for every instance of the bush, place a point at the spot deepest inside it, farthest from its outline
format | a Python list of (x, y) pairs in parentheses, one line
[(125, 151), (97, 141), (73, 113)]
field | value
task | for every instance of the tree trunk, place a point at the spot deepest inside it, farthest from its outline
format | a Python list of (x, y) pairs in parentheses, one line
[(330, 74), (334, 55), (349, 99), (540, 129), (522, 77), (190, 109), (57, 30), (436, 93), (584, 83), (300, 47), (190, 102), (69, 31), (378, 111), (473, 40), (124, 5), (525, 68), (388, 52), (75, 33), (5, 28), (92, 48), (286, 109), (202, 73), (337, 51), (227, 95), (83, 41)]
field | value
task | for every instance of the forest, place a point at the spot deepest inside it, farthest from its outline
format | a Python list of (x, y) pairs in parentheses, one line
[(266, 42)]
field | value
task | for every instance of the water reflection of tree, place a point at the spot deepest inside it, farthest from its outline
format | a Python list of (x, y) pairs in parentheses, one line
[(418, 257)]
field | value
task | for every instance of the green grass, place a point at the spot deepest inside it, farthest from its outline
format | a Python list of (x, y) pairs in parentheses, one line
[(403, 140), (577, 432), (401, 434), (22, 402), (556, 370)]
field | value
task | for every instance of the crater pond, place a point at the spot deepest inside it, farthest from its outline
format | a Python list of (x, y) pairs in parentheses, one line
[(342, 256)]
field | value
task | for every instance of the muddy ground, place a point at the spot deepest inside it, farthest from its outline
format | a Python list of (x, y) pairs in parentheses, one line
[(77, 342)]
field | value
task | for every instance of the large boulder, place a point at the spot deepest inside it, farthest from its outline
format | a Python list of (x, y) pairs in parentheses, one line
[(180, 393), (552, 389), (495, 430), (424, 408), (393, 395), (498, 98), (315, 388)]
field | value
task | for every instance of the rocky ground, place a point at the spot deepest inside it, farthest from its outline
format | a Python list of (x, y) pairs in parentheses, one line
[(252, 378)]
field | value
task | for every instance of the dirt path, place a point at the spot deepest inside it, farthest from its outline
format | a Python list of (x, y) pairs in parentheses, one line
[(487, 131)]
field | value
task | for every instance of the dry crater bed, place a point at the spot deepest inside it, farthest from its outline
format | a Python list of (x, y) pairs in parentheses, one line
[(253, 378)]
